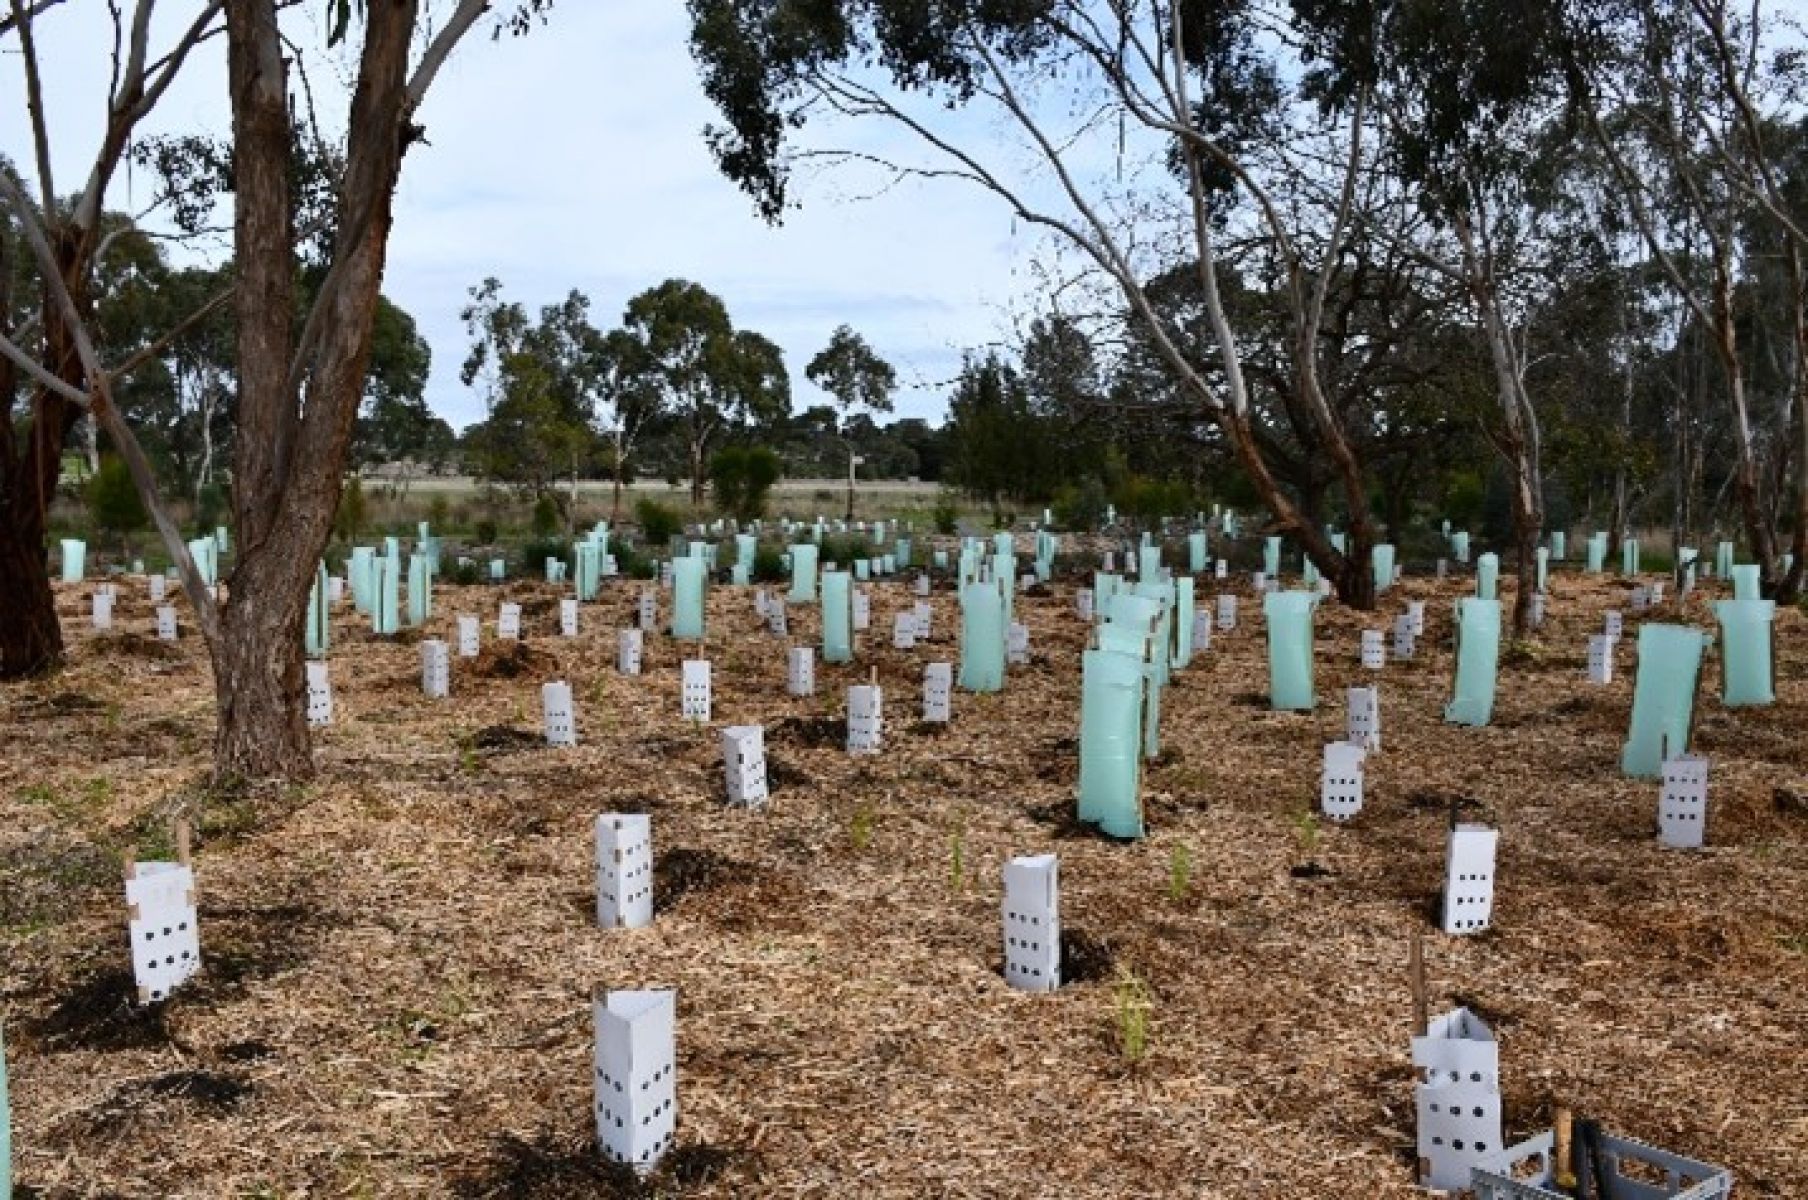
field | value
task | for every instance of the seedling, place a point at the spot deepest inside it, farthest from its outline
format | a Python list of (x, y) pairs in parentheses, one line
[(1180, 872), (1306, 832), (860, 827), (1132, 1006), (957, 858)]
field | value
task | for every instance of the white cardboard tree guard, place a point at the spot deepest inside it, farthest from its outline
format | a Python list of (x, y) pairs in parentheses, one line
[(760, 602), (1227, 613), (470, 636), (636, 1076), (320, 696), (777, 621), (1221, 570), (865, 718), (1615, 624), (1639, 600), (1600, 657), (1469, 879), (649, 610), (1363, 721), (1340, 780), (335, 591), (1529, 1171), (938, 692), (744, 763), (568, 617), (800, 671), (1415, 612), (508, 623), (103, 609), (863, 610), (1682, 806), (925, 616), (158, 584), (1405, 641), (1258, 581), (694, 690), (1374, 649), (624, 870), (1032, 923), (1457, 1098), (561, 722), (1083, 603), (166, 623), (628, 643), (1017, 644), (904, 631), (922, 584), (436, 669), (1202, 632), (166, 939)]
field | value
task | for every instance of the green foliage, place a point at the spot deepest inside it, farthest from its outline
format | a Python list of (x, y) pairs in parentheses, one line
[(113, 502), (1180, 872), (439, 513), (546, 517), (845, 549), (957, 859), (741, 478), (659, 524), (860, 827), (945, 515), (351, 515), (1464, 498), (466, 573), (486, 531), (769, 565), (210, 506), (1080, 508), (534, 553), (1306, 832), (1132, 1007), (1149, 500)]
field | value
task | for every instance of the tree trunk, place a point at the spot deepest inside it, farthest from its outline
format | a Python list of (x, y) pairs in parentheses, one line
[(31, 640), (697, 474), (262, 730), (850, 498)]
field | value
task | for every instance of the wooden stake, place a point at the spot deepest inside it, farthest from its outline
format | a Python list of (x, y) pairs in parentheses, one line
[(1562, 1124), (1416, 969), (183, 838)]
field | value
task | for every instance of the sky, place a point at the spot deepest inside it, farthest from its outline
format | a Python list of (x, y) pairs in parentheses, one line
[(574, 158)]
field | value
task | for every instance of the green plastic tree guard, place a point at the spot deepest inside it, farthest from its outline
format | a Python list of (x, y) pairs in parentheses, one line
[(6, 1126), (319, 626), (420, 590), (1381, 559), (837, 616), (387, 577), (1308, 572), (1148, 563), (982, 638), (1745, 651), (1663, 701), (1747, 584), (1271, 557), (358, 569), (392, 548), (1183, 621), (75, 557), (1544, 567), (688, 576), (863, 569), (1111, 703), (1477, 661), (1597, 553), (1559, 545), (746, 545), (1339, 541), (221, 540), (1487, 577), (1195, 550), (1161, 595), (1629, 556), (1723, 559), (1230, 524), (1004, 555), (803, 573), (902, 553), (1289, 619), (590, 570), (1459, 546)]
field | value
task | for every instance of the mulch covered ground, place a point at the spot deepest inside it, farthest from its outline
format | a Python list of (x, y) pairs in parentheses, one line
[(400, 955)]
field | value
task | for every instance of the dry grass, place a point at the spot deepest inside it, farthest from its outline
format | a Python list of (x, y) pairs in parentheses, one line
[(400, 955)]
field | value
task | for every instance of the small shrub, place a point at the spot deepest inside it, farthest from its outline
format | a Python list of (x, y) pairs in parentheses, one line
[(658, 523), (1306, 832), (843, 551), (439, 512), (1080, 508), (957, 859), (113, 502), (740, 479), (466, 573), (546, 517), (823, 496), (535, 552), (348, 520), (946, 516), (486, 531), (860, 827), (210, 506), (769, 565)]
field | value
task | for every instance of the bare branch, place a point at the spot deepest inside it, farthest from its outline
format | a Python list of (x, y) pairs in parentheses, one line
[(42, 375), (34, 100)]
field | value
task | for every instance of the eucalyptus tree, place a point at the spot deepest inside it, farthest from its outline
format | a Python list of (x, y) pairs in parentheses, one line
[(853, 373), (1193, 90), (301, 369)]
